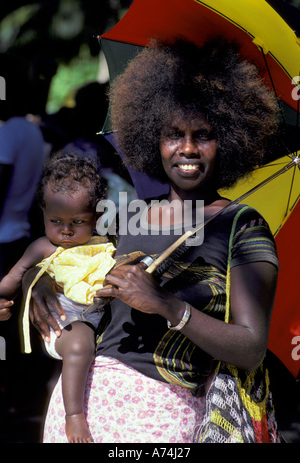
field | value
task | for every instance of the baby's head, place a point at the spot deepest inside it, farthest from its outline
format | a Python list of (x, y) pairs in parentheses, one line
[(68, 193)]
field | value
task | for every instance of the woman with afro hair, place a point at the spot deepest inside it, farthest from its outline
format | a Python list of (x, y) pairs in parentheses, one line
[(180, 353)]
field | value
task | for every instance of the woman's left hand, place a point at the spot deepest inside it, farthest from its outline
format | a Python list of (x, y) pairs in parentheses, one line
[(137, 288)]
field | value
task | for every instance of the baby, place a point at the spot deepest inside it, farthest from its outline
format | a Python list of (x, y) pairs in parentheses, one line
[(68, 193)]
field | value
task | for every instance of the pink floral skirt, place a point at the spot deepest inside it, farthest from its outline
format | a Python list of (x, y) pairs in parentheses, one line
[(125, 406)]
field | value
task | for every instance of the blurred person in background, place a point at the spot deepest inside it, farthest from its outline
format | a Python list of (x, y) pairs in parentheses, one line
[(22, 157)]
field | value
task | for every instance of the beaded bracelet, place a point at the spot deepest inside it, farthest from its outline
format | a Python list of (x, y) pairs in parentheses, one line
[(185, 318)]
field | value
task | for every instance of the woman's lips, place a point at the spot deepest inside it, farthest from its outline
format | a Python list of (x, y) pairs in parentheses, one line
[(188, 167)]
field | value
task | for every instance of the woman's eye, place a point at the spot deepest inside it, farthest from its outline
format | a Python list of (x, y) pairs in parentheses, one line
[(175, 135), (204, 135)]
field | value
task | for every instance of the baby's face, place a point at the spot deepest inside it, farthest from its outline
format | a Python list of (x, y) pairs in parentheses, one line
[(68, 220)]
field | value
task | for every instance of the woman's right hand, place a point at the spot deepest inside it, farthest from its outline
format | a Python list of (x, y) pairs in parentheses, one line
[(43, 296)]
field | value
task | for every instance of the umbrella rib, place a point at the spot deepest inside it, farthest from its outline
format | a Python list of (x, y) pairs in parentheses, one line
[(297, 117), (294, 173), (296, 199), (290, 193), (278, 99), (268, 69), (279, 102), (272, 164)]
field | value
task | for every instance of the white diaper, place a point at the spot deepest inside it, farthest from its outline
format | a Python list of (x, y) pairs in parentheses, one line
[(74, 312)]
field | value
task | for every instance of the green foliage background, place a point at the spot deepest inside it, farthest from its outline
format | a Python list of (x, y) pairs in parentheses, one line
[(58, 38)]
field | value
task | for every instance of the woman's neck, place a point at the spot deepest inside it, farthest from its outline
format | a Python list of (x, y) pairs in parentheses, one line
[(171, 211), (207, 195)]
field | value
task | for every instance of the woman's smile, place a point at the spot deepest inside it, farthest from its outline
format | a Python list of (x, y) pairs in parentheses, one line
[(189, 168)]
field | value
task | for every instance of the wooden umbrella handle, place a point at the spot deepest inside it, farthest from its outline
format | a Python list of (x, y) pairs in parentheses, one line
[(164, 255)]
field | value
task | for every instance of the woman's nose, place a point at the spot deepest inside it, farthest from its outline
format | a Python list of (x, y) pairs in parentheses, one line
[(188, 147)]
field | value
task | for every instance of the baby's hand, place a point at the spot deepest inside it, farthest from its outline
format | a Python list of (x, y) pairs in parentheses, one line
[(5, 312)]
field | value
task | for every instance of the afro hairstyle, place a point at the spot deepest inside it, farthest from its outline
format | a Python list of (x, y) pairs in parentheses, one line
[(165, 80)]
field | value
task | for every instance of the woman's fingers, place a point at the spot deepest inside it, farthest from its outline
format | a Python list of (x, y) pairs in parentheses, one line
[(5, 303), (40, 314), (5, 315), (124, 277), (43, 297), (42, 319), (134, 286), (5, 312)]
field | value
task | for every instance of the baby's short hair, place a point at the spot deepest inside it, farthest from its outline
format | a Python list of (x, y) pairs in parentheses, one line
[(65, 172)]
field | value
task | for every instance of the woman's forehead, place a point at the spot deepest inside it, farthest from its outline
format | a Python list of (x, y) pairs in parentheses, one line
[(182, 118)]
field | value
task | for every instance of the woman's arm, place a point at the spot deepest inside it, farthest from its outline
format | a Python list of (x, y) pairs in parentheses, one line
[(242, 343)]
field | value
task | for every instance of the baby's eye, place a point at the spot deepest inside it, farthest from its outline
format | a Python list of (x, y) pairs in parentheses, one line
[(56, 221), (78, 222)]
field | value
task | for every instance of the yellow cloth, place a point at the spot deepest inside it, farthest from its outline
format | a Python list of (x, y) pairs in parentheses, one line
[(80, 271)]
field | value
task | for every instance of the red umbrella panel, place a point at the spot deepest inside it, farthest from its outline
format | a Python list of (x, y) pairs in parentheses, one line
[(284, 338)]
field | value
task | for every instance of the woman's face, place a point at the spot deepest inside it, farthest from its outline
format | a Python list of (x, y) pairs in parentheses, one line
[(188, 150)]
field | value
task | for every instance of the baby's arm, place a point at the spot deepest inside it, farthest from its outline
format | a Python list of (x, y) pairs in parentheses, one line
[(35, 253)]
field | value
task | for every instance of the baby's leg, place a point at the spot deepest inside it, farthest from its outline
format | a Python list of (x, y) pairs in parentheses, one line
[(76, 345)]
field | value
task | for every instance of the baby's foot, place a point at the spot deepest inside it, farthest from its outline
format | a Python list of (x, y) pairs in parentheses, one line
[(77, 430)]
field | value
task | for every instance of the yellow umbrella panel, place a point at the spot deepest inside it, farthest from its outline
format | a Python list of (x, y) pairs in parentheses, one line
[(277, 190)]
